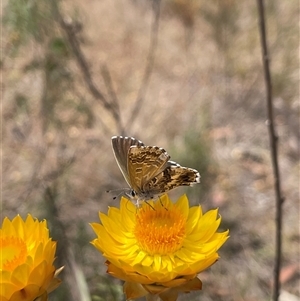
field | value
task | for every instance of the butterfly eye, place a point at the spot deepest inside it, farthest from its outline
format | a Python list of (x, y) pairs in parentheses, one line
[(133, 194)]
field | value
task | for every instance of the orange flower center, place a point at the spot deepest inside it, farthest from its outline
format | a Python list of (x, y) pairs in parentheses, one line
[(13, 252), (160, 230)]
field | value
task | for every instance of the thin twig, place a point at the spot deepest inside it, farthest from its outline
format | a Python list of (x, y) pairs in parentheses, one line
[(149, 65), (274, 153), (108, 82), (83, 65)]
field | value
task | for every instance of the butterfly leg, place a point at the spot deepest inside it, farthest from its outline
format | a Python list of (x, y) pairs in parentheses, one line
[(162, 204)]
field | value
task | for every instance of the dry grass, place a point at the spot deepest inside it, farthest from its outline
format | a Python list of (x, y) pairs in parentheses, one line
[(205, 104)]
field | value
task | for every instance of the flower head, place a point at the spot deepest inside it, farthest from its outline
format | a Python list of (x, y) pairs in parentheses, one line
[(26, 260), (159, 248)]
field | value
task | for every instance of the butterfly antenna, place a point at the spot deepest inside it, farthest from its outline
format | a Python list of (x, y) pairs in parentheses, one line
[(119, 192)]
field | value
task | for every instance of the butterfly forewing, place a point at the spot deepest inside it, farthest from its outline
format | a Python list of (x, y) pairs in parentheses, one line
[(121, 146), (144, 163)]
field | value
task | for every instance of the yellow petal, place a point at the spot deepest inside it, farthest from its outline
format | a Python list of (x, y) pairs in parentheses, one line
[(183, 205), (134, 290), (28, 293)]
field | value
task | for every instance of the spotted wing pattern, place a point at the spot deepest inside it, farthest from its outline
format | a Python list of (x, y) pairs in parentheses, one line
[(172, 177), (144, 163)]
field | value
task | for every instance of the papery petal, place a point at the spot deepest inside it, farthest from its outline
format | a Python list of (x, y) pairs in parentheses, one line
[(134, 290)]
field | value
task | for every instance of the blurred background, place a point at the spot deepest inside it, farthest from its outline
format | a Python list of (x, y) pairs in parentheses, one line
[(185, 75)]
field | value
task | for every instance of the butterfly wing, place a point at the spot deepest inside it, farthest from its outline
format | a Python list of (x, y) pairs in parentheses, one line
[(147, 169), (121, 146), (173, 176), (144, 163)]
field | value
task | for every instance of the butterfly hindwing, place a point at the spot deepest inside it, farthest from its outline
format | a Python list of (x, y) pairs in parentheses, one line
[(172, 177), (144, 163)]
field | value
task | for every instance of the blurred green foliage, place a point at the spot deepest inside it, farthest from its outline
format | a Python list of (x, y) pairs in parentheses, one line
[(196, 152), (28, 19)]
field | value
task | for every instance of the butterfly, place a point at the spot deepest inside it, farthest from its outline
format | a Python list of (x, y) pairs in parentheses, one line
[(147, 169)]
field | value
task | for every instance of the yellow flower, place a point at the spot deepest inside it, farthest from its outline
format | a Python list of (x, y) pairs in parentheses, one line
[(26, 260), (159, 248)]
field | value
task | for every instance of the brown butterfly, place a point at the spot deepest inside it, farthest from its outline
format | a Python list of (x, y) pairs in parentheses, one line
[(147, 169)]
